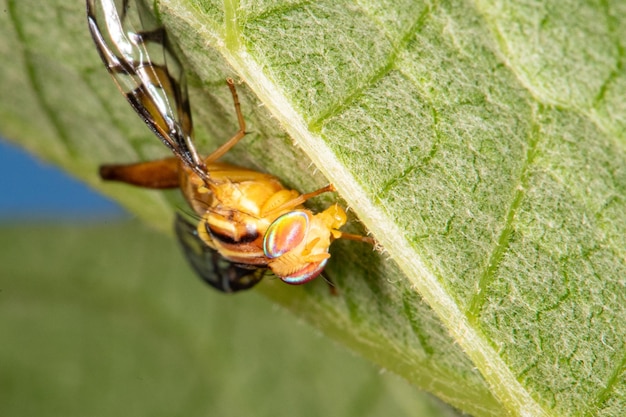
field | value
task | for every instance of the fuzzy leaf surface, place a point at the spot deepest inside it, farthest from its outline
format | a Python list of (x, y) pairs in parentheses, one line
[(481, 143)]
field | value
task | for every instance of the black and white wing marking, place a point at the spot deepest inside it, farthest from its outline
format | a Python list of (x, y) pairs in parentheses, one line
[(214, 269), (135, 50)]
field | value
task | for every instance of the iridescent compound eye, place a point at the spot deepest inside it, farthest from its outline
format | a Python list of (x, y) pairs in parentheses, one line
[(285, 233)]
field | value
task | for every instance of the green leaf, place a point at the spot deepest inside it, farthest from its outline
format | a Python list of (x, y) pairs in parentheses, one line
[(481, 143), (92, 329)]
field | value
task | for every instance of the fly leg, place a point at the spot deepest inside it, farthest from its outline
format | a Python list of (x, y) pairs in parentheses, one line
[(219, 152), (358, 238), (285, 200)]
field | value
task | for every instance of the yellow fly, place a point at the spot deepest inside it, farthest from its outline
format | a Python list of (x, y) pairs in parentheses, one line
[(248, 220)]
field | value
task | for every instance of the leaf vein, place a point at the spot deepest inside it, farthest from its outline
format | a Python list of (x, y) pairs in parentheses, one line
[(278, 10), (605, 393), (345, 102), (37, 84), (489, 273)]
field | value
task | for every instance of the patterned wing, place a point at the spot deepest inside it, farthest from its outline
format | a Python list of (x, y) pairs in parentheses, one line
[(135, 50), (214, 269)]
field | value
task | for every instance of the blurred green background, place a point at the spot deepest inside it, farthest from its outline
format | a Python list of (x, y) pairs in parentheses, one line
[(100, 316)]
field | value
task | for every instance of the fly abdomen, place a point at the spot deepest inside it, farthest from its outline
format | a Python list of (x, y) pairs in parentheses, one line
[(238, 242)]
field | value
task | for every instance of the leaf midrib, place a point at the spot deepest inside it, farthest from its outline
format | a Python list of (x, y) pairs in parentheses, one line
[(512, 394)]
